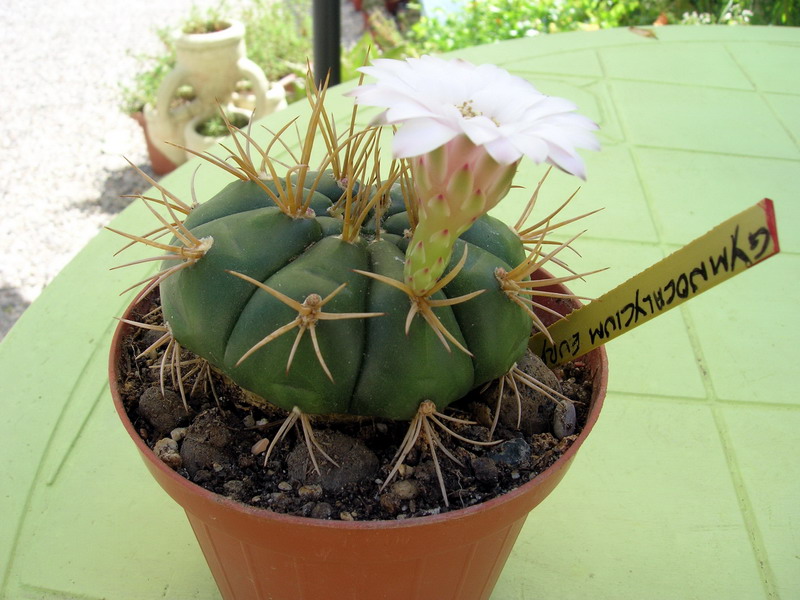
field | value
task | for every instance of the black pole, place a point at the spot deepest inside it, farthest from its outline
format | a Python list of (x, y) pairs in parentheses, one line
[(327, 31)]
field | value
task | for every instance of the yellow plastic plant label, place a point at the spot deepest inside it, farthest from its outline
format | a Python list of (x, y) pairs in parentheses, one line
[(730, 248)]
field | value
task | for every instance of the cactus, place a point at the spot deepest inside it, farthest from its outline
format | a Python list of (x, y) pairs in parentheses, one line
[(346, 291)]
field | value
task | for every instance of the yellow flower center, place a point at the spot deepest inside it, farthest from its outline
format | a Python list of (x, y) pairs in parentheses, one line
[(467, 110)]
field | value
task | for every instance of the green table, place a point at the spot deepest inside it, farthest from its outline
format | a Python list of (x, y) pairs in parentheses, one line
[(688, 487)]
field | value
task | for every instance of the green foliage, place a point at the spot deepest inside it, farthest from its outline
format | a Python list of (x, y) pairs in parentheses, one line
[(208, 21), (485, 21), (383, 39), (151, 70), (725, 12), (215, 126), (278, 37), (782, 12)]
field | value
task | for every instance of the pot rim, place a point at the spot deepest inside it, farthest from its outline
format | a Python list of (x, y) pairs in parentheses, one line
[(233, 33), (599, 389)]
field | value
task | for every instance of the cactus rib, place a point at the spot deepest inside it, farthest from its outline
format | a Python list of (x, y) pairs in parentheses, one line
[(514, 282), (308, 313), (423, 305)]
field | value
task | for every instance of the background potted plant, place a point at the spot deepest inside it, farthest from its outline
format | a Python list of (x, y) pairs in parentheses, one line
[(211, 58), (363, 299), (276, 40)]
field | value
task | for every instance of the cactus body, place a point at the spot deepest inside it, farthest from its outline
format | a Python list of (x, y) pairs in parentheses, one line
[(377, 368)]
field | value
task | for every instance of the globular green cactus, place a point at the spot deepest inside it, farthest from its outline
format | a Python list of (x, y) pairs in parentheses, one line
[(351, 289), (354, 355)]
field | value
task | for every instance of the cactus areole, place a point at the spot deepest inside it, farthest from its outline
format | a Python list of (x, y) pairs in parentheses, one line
[(371, 366)]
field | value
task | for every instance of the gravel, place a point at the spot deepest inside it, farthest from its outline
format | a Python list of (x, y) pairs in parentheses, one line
[(63, 138)]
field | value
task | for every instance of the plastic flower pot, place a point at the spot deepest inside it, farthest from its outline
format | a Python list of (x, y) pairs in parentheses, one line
[(459, 555), (160, 164)]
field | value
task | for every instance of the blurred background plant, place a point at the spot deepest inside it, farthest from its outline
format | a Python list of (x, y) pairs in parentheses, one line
[(278, 39), (487, 21), (729, 12), (382, 38), (278, 33), (482, 22)]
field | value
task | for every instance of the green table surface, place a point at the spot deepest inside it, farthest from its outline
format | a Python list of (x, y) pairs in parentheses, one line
[(688, 486)]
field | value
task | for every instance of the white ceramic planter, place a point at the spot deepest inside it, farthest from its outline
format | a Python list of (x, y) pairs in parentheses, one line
[(199, 142), (212, 64)]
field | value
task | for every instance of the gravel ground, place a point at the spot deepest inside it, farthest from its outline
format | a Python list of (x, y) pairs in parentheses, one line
[(62, 135)]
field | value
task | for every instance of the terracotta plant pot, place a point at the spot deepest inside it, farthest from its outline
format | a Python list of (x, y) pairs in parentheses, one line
[(459, 555), (161, 164)]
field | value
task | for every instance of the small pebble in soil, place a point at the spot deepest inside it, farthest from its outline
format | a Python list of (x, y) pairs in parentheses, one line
[(532, 408), (390, 503), (322, 510), (203, 447), (482, 414), (404, 471), (310, 492), (201, 476), (565, 420), (201, 457), (512, 452), (356, 462), (405, 489), (485, 470), (260, 446), (164, 412), (234, 489), (246, 461), (167, 450)]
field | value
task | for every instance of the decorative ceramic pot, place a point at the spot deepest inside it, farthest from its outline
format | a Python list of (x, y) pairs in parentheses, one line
[(211, 64)]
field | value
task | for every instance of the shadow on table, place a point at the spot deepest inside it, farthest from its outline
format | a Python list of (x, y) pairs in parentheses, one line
[(12, 305), (111, 201), (118, 184)]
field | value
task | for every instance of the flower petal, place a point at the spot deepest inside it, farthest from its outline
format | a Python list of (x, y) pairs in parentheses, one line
[(502, 151), (567, 161), (480, 130), (420, 137), (435, 100)]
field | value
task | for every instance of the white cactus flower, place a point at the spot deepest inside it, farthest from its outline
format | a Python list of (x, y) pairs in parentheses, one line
[(437, 100)]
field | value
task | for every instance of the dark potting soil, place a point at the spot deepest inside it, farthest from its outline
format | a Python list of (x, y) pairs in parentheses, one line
[(221, 442)]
